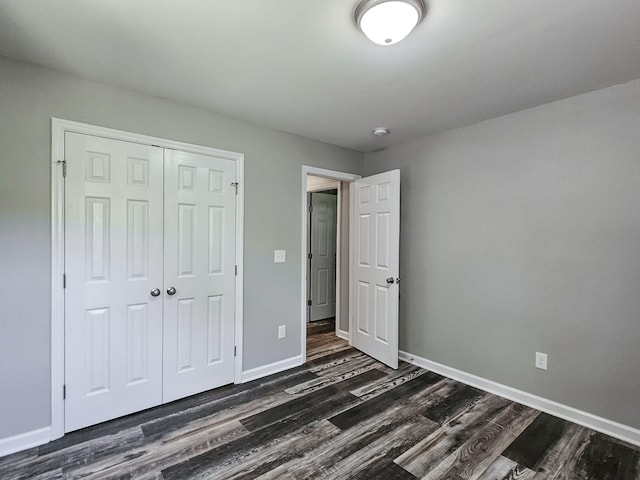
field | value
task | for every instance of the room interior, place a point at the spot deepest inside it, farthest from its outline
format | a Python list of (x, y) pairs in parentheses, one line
[(515, 128)]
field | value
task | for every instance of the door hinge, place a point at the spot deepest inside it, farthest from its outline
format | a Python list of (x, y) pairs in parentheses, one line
[(310, 208), (235, 184), (236, 270), (64, 392), (309, 303), (64, 280), (309, 256), (64, 167), (235, 351)]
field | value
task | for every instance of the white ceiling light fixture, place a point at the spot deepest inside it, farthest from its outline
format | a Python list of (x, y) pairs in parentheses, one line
[(386, 22), (380, 131)]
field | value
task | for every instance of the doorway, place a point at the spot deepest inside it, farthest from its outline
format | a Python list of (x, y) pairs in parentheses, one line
[(322, 251), (367, 268), (326, 280)]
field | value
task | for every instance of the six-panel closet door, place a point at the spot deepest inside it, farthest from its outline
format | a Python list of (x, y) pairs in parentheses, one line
[(113, 261), (149, 266), (199, 265)]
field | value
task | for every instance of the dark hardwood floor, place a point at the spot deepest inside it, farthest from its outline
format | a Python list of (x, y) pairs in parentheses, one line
[(342, 415)]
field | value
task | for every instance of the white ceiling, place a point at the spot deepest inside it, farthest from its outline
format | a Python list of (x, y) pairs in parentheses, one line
[(301, 65)]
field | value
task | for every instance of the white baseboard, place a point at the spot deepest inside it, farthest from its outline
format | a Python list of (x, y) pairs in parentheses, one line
[(342, 334), (270, 369), (586, 419), (23, 441)]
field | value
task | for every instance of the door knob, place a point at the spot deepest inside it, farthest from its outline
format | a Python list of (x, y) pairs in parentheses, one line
[(171, 291), (390, 280), (155, 292)]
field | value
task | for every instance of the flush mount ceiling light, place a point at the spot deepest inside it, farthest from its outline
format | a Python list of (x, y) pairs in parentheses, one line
[(386, 22), (380, 131)]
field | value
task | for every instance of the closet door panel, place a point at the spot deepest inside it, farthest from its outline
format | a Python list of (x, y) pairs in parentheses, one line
[(200, 204), (113, 260)]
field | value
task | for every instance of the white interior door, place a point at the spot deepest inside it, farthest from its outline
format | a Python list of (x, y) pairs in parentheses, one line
[(375, 266), (323, 255), (199, 294), (113, 261)]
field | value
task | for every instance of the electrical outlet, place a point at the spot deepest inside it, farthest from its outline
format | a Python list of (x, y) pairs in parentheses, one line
[(279, 256), (541, 360), (282, 331)]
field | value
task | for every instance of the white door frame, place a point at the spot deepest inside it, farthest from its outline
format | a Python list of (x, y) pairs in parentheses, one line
[(335, 175), (58, 129)]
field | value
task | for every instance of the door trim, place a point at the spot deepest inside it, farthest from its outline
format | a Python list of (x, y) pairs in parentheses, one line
[(335, 175), (58, 129)]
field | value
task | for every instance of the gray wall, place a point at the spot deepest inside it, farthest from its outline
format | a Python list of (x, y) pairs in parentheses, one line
[(29, 97), (522, 233)]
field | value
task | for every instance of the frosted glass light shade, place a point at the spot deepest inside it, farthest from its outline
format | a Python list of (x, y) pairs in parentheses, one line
[(388, 22)]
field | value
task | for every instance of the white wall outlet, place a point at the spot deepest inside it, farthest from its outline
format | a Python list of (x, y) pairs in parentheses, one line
[(282, 331), (279, 256), (541, 360)]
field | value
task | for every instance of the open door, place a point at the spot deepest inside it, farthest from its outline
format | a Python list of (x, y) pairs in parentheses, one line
[(375, 266)]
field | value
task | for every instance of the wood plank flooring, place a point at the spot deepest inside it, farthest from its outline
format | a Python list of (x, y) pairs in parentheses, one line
[(340, 416)]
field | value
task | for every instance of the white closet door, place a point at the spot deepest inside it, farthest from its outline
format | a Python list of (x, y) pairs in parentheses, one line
[(375, 251), (113, 255), (200, 211), (323, 255)]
